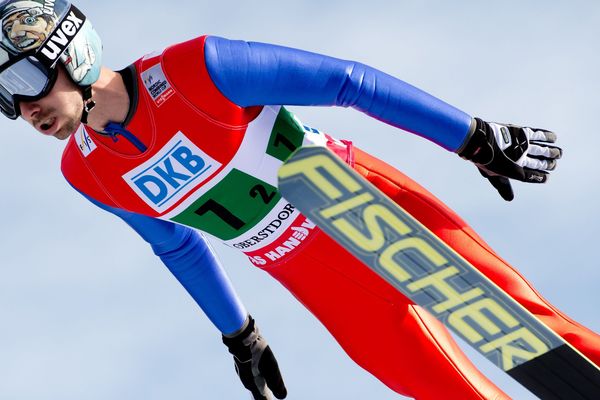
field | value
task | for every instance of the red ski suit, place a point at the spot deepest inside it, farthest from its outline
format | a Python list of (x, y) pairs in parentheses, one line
[(201, 156)]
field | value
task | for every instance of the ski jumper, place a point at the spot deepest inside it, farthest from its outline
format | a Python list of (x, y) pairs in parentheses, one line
[(200, 150)]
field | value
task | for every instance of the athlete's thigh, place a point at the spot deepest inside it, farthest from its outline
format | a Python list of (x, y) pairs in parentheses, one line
[(378, 327), (449, 227)]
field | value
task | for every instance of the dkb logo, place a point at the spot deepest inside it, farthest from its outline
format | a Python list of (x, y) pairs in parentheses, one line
[(172, 173)]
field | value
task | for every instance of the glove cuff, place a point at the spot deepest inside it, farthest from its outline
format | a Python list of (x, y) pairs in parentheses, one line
[(239, 345), (468, 136), (477, 147), (242, 329)]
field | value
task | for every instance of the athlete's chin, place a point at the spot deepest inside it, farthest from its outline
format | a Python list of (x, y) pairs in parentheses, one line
[(67, 129), (65, 132), (61, 136)]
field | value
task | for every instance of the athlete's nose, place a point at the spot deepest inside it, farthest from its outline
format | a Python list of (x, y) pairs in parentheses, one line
[(29, 110)]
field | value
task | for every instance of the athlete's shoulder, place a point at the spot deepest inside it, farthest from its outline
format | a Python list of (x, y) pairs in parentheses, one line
[(185, 67)]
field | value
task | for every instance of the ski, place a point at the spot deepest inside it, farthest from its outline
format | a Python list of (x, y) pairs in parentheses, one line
[(405, 253)]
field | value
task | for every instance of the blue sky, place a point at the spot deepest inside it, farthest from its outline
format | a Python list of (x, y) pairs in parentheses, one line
[(89, 313)]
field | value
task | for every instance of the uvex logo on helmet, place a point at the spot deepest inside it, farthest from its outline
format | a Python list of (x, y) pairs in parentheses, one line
[(63, 35)]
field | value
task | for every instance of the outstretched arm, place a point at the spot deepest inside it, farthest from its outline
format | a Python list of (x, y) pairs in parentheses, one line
[(251, 73), (191, 259)]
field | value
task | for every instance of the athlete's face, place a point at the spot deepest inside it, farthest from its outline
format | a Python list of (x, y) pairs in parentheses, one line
[(26, 32), (58, 114)]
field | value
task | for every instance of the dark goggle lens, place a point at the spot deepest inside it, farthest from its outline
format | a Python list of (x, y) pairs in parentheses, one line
[(25, 79)]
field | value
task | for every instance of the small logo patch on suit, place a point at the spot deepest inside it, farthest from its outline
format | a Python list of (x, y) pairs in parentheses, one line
[(84, 141), (157, 85)]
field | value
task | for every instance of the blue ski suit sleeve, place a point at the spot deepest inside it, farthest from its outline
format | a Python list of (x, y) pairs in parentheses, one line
[(191, 259), (250, 73)]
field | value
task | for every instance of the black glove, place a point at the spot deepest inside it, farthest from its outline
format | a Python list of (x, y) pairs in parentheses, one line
[(255, 363), (503, 151)]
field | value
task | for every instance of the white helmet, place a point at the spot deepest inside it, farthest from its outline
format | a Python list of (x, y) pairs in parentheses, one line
[(36, 35)]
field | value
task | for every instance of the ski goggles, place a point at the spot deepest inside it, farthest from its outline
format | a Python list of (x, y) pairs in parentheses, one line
[(25, 79)]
